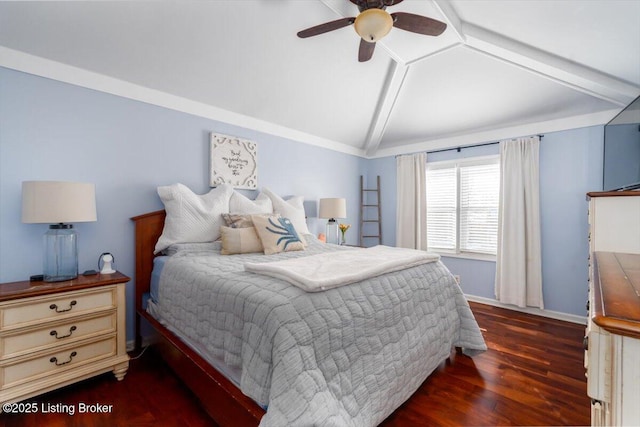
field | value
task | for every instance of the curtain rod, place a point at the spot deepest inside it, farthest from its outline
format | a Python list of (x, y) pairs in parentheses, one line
[(458, 149)]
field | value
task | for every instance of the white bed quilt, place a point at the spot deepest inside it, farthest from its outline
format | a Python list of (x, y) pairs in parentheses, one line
[(348, 356), (318, 273)]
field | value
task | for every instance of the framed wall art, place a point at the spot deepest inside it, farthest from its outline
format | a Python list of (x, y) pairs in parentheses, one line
[(233, 161)]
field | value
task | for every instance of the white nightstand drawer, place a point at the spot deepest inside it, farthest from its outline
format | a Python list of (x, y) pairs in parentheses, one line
[(36, 310), (36, 339), (51, 363)]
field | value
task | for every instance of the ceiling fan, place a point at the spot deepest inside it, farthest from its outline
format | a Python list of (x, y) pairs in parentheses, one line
[(374, 22)]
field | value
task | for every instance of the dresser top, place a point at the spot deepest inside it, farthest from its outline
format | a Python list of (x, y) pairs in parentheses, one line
[(630, 193), (617, 293), (14, 290)]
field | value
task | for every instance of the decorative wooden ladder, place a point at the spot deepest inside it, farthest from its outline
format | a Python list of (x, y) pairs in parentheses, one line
[(367, 205)]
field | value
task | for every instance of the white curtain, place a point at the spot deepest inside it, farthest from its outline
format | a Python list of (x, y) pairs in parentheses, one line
[(518, 260), (411, 224)]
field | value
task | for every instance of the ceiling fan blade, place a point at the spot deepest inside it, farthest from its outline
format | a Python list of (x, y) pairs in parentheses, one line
[(326, 27), (366, 50), (418, 24)]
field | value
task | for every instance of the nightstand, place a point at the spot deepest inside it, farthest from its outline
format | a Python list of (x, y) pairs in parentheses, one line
[(57, 333)]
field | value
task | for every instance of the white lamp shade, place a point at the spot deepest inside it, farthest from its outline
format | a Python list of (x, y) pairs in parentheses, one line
[(333, 208), (373, 24), (52, 202)]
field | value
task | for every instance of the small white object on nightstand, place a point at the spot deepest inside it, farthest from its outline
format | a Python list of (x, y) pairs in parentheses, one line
[(107, 260)]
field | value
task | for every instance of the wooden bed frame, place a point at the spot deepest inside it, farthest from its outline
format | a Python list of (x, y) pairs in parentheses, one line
[(222, 400)]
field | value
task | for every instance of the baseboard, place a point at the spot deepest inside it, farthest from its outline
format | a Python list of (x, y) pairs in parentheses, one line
[(530, 310)]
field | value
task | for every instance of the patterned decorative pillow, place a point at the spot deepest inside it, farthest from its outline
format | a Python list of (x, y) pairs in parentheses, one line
[(192, 218), (277, 234), (292, 208), (240, 220), (240, 241)]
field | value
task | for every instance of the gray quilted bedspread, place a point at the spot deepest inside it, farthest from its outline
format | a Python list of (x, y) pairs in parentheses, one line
[(348, 356)]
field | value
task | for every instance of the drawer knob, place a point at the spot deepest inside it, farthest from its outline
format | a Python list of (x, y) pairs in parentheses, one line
[(71, 356), (55, 333), (55, 307)]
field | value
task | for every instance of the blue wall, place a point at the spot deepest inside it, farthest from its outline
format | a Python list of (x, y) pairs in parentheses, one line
[(570, 166), (55, 131)]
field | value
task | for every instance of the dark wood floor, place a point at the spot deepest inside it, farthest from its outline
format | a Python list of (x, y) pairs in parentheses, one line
[(532, 374)]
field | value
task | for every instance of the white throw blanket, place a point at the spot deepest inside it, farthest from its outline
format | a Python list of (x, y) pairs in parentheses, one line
[(329, 270)]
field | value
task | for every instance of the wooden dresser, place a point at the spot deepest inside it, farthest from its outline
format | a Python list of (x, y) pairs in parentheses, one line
[(54, 334), (612, 341)]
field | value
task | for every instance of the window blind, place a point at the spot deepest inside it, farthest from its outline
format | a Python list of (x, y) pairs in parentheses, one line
[(442, 205), (462, 206), (479, 197)]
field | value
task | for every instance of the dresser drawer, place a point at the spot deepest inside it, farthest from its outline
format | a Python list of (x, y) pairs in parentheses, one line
[(56, 361), (39, 338), (36, 310)]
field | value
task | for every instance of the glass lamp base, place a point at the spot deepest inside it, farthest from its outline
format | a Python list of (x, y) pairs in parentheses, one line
[(60, 253), (332, 232)]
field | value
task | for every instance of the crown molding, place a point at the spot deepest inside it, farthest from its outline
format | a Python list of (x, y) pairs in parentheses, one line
[(555, 125), (54, 70)]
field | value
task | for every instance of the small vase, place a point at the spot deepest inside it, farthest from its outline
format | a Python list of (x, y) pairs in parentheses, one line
[(343, 242)]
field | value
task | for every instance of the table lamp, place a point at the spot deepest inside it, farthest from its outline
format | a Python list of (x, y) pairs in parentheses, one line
[(331, 209), (59, 204)]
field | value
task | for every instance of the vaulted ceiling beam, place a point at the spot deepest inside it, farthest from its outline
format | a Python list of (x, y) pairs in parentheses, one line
[(556, 68), (561, 70), (388, 96), (454, 23)]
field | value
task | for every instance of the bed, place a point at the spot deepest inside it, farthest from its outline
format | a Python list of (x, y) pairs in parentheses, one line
[(286, 355)]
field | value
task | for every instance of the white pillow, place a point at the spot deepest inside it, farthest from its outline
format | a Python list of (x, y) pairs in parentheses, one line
[(292, 208), (192, 218), (242, 205)]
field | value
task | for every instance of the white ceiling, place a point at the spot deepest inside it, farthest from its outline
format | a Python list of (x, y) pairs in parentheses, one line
[(503, 68)]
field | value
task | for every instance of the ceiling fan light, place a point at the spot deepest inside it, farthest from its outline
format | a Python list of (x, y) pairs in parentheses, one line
[(373, 24)]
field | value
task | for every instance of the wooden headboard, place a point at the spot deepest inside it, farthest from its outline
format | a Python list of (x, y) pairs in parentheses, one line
[(148, 229)]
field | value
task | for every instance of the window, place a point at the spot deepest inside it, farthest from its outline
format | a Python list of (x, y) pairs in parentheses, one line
[(462, 206)]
